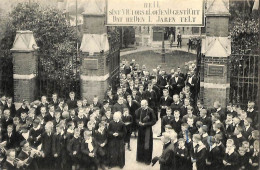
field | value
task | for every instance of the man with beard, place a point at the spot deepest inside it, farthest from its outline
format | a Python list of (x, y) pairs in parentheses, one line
[(145, 118)]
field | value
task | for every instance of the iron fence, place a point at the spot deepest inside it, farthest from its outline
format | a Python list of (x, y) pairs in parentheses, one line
[(244, 78)]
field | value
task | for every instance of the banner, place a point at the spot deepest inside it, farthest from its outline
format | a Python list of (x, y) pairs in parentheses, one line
[(155, 12)]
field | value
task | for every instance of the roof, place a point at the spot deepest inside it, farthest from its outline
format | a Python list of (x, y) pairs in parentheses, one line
[(94, 43), (216, 46), (217, 7), (94, 7), (24, 41)]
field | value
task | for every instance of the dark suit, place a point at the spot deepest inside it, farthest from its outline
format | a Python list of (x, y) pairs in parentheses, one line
[(176, 87), (199, 154), (11, 142), (166, 120), (192, 85), (176, 106), (165, 102), (166, 160), (72, 104), (12, 109), (47, 141), (89, 161), (162, 82), (30, 163), (132, 108), (9, 166)]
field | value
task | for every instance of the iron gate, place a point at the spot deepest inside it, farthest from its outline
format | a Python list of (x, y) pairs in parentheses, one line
[(244, 78)]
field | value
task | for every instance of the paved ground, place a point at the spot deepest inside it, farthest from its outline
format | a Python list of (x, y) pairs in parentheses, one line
[(131, 163), (151, 57)]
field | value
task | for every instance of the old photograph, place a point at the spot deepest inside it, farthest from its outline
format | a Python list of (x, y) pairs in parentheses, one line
[(129, 84)]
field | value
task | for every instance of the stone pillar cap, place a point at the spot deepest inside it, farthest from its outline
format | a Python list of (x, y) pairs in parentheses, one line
[(94, 7), (24, 41), (217, 8), (216, 46), (94, 43)]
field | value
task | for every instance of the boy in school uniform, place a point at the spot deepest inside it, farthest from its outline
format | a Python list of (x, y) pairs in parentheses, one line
[(215, 153), (100, 136), (176, 122), (88, 148), (57, 146), (254, 158), (230, 159), (243, 159), (46, 141), (73, 147), (128, 120), (182, 155), (167, 119)]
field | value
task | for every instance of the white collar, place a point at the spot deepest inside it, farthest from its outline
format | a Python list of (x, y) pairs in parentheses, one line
[(205, 135), (213, 146), (37, 128), (250, 110), (247, 127), (100, 131), (229, 152), (175, 141), (11, 162), (89, 140), (218, 109), (239, 135), (70, 131)]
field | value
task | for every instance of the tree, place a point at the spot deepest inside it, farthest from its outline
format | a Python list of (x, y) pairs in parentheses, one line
[(244, 27), (54, 36)]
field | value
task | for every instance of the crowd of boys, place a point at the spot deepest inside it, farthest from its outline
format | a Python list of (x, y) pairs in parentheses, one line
[(80, 134)]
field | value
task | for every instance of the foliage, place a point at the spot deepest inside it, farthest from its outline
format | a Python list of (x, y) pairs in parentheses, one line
[(55, 37), (244, 28)]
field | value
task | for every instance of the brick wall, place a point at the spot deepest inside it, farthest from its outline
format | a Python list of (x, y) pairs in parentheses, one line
[(91, 88), (216, 61), (209, 95), (101, 62), (94, 24), (24, 89), (24, 63), (217, 26), (213, 94)]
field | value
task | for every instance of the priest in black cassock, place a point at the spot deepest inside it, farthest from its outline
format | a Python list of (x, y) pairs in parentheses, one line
[(116, 144), (145, 119)]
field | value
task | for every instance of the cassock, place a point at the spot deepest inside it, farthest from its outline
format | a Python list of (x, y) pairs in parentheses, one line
[(116, 145), (145, 134)]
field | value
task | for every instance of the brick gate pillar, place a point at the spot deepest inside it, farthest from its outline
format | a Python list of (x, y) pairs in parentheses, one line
[(24, 66), (216, 49), (94, 71)]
